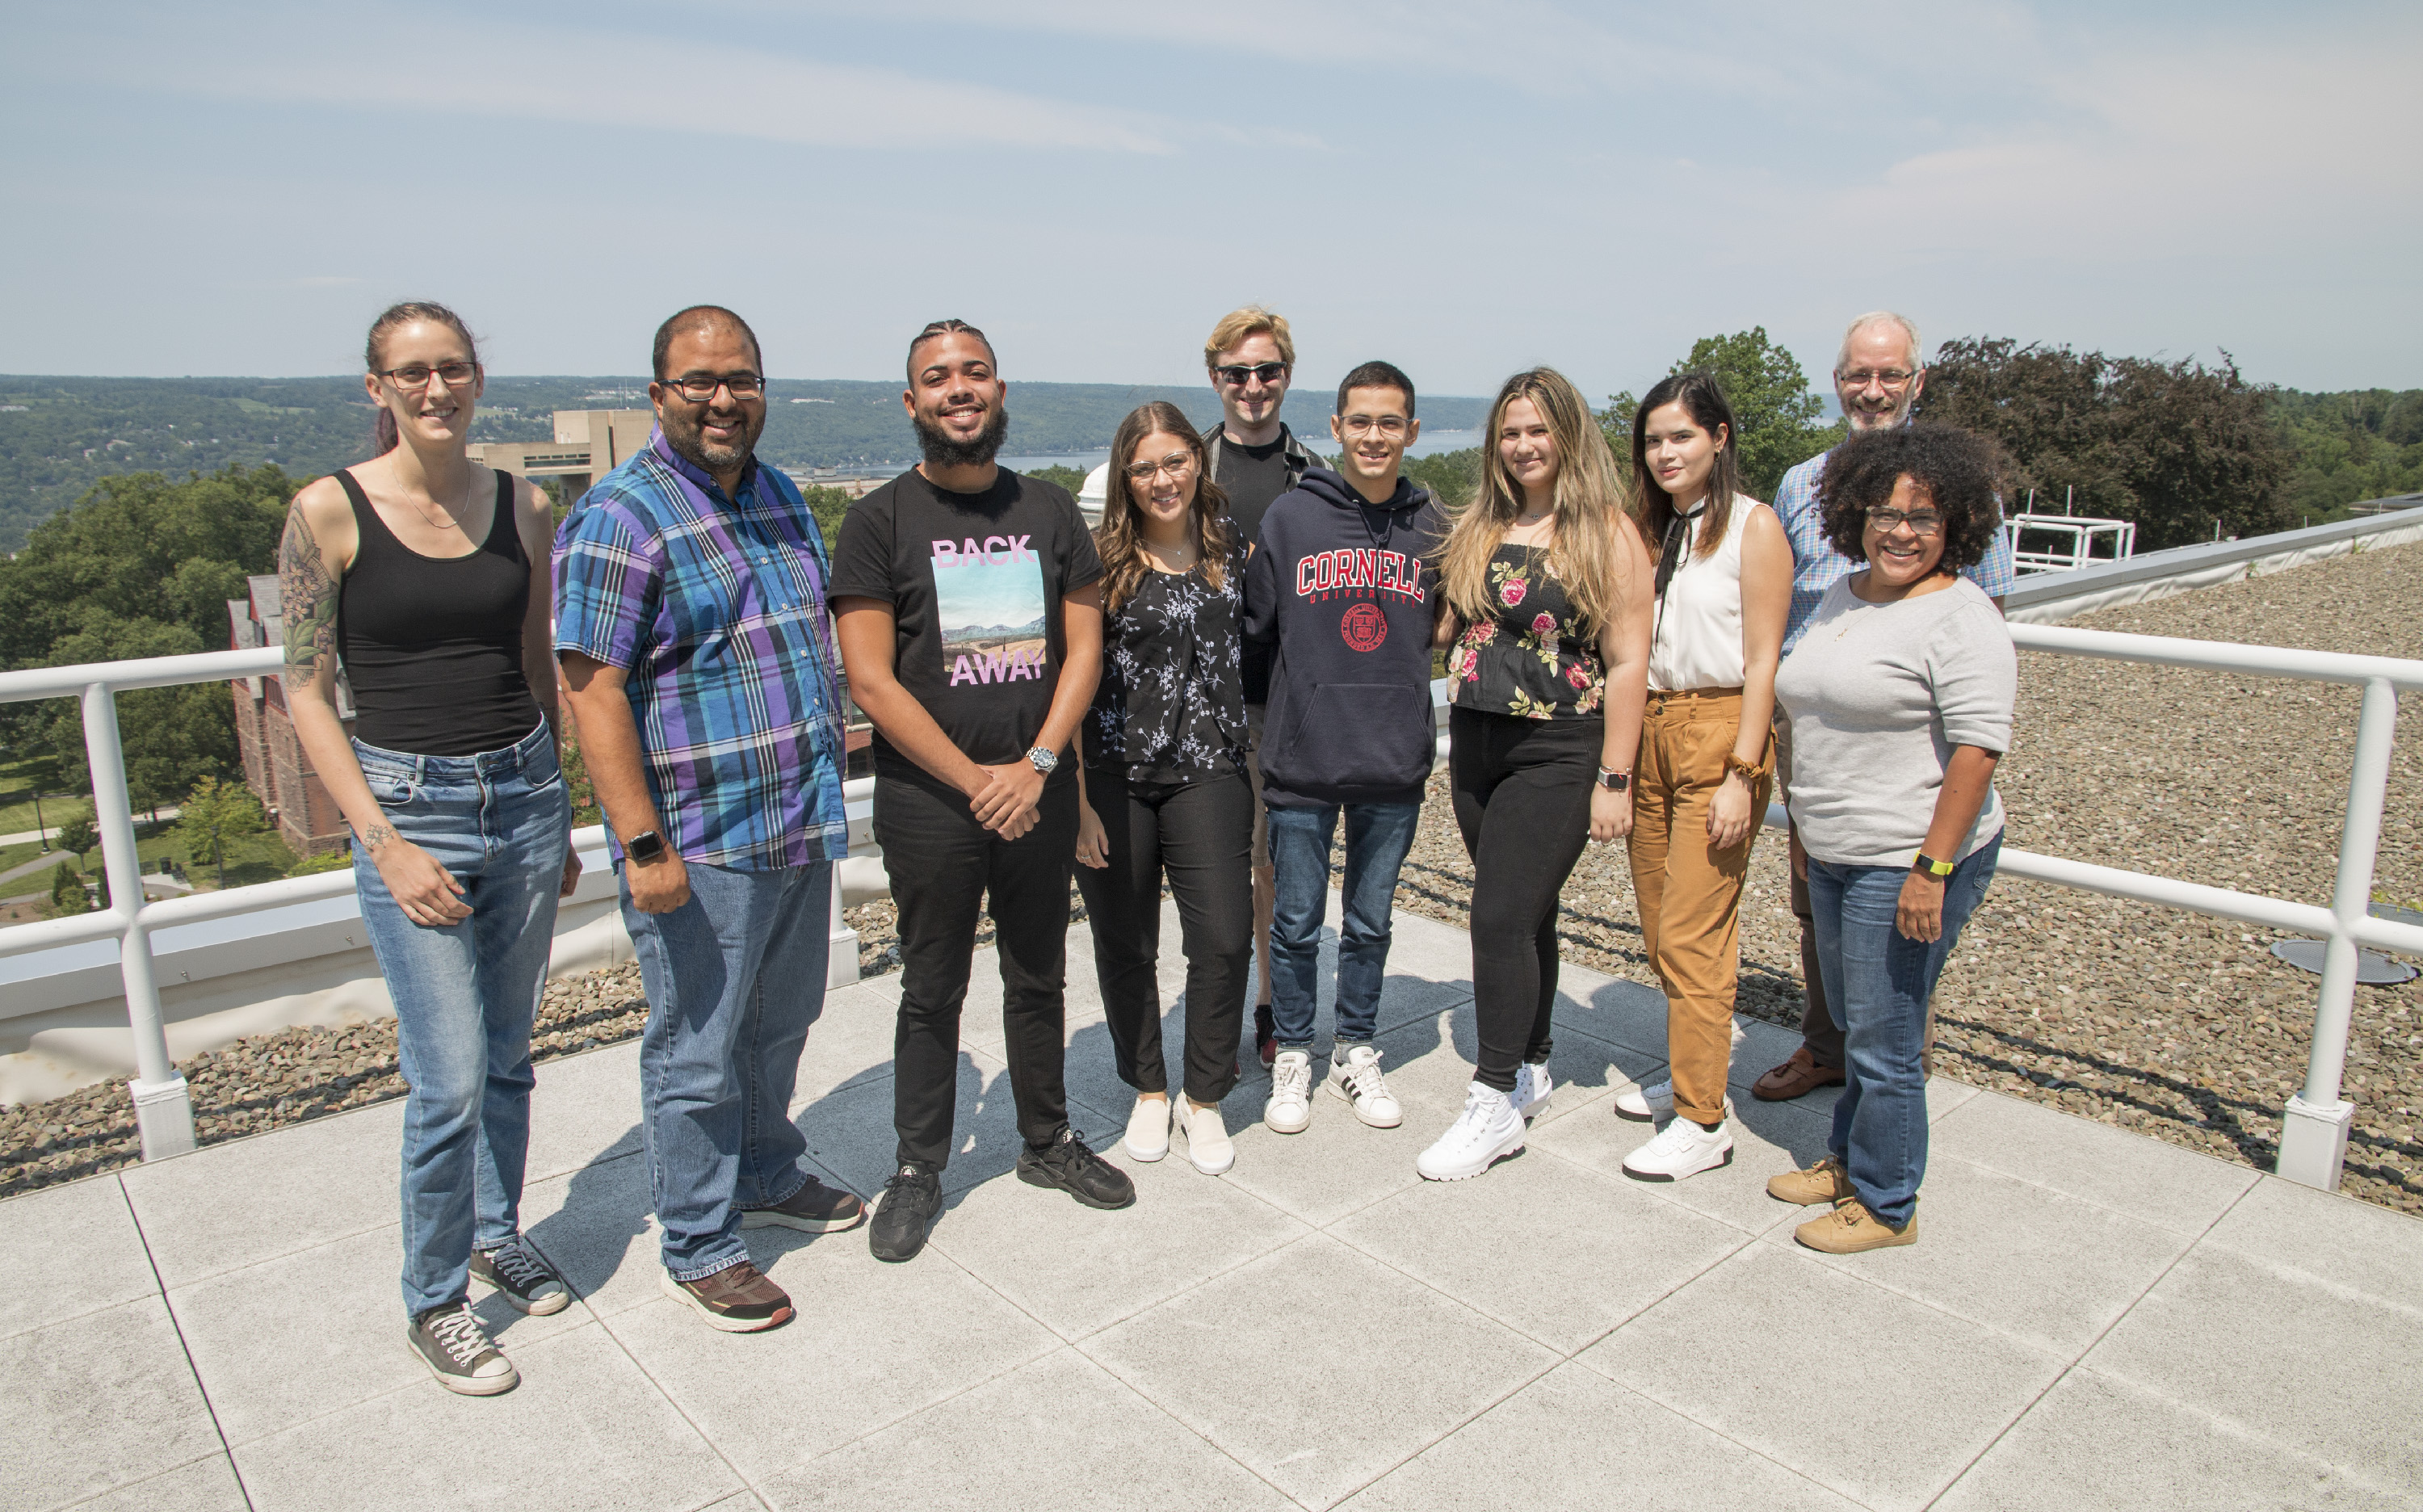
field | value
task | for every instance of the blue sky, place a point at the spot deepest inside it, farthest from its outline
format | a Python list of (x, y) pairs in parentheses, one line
[(1464, 189)]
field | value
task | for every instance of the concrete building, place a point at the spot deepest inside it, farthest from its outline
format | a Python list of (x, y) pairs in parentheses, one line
[(587, 444), (275, 766)]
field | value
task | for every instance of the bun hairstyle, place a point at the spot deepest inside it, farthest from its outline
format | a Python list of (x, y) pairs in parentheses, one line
[(374, 354)]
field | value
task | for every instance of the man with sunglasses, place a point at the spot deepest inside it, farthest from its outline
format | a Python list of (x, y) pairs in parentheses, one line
[(1254, 458), (696, 640), (1878, 375)]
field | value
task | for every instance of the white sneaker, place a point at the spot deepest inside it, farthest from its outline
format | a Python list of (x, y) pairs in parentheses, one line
[(1357, 1079), (1641, 1104), (1289, 1109), (1207, 1144), (1488, 1129), (1681, 1149), (1147, 1137), (1532, 1085)]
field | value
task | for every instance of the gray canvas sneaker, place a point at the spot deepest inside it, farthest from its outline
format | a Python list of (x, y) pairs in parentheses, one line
[(529, 1283), (458, 1352)]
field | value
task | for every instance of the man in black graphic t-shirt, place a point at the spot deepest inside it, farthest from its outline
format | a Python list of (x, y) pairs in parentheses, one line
[(1254, 458), (970, 628)]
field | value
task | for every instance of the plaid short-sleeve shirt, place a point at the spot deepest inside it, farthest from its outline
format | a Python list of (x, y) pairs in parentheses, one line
[(1816, 566), (716, 607)]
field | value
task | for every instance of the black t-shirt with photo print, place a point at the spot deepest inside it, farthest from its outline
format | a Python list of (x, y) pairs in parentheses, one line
[(974, 581)]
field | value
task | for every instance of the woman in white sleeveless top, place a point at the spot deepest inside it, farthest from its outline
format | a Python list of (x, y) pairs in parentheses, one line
[(1699, 787)]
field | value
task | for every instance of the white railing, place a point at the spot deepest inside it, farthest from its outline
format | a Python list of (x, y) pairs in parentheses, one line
[(2313, 1142), (2078, 535)]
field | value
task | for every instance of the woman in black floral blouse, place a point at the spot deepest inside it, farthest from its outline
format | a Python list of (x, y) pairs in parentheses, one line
[(1163, 780), (1547, 587)]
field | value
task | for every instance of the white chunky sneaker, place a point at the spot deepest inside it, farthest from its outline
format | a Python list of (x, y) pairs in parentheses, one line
[(1681, 1149), (1641, 1104), (1147, 1137), (1485, 1132), (1356, 1078), (1289, 1109), (1207, 1144), (1532, 1085)]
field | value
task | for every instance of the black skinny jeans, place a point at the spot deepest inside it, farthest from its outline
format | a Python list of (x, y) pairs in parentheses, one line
[(943, 866), (1202, 835), (1522, 790)]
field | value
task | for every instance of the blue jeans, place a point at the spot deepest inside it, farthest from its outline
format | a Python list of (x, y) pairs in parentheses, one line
[(465, 993), (1877, 982), (1377, 838), (735, 976)]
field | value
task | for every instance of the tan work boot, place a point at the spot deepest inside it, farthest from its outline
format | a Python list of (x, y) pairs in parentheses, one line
[(1849, 1227), (1825, 1182)]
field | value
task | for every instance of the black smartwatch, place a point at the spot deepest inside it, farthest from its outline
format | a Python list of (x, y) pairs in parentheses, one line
[(1615, 782), (645, 847)]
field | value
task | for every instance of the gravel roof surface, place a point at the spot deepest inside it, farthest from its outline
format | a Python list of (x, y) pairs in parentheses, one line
[(2178, 1027)]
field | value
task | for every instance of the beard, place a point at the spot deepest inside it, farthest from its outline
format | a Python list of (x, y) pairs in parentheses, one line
[(940, 448), (687, 439), (1889, 418)]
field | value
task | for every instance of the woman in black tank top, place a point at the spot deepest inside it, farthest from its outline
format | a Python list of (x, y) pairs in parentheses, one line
[(424, 579)]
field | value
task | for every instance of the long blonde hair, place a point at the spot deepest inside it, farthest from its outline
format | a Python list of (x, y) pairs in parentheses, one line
[(1592, 503), (1115, 538)]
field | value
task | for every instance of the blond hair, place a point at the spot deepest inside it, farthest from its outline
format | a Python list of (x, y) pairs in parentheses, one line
[(1591, 505), (1237, 324)]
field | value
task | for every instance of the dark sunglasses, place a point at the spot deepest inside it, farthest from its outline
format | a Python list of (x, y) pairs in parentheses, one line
[(1235, 374)]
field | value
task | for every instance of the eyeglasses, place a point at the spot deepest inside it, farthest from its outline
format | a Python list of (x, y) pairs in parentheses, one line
[(417, 375), (1176, 464), (1921, 522), (1236, 374), (1893, 379), (1390, 426), (699, 389)]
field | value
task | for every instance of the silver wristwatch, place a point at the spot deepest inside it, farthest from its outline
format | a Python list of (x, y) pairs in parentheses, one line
[(1042, 760)]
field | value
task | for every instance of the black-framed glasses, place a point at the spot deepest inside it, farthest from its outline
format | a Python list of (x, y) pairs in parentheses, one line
[(417, 375), (1176, 464), (699, 387), (1921, 521), (1237, 374), (1893, 379), (1390, 426)]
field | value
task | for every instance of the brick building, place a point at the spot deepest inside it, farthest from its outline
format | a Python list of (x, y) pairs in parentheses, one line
[(275, 766)]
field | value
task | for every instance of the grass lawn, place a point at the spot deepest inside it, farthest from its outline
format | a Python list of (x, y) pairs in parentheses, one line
[(20, 779), (254, 858)]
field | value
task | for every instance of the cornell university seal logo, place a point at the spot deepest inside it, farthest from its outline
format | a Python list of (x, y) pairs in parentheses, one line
[(1364, 627)]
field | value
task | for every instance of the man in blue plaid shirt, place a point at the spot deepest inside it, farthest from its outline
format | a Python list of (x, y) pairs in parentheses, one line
[(1877, 376)]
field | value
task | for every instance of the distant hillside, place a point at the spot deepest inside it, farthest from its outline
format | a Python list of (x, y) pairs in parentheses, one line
[(61, 436)]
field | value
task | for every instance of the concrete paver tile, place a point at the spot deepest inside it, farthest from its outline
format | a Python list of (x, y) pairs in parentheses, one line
[(1543, 1246), (850, 1132), (1575, 1441), (851, 1042), (207, 1485), (2099, 1443), (2320, 1367), (2337, 1240), (597, 1227), (67, 1251), (868, 1345), (97, 1402), (1337, 1165), (1261, 1363), (1059, 1435), (2146, 1179), (587, 1433), (231, 1205), (1077, 1269), (269, 1363), (1888, 1416), (1628, 1014), (585, 1109)]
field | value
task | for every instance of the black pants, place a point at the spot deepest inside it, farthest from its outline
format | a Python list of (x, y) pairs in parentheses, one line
[(944, 865), (1522, 790), (1202, 835)]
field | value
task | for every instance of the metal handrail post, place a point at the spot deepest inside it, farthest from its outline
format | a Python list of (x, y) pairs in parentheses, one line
[(164, 1110), (2315, 1126), (841, 958)]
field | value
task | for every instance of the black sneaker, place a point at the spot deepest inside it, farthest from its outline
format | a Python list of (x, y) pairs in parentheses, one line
[(815, 1208), (529, 1283), (458, 1352), (1066, 1163), (905, 1214)]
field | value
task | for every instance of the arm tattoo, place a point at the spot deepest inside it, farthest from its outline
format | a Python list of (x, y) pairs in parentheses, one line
[(307, 598), (376, 836)]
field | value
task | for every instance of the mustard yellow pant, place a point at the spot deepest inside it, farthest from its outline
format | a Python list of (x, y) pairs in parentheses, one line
[(1690, 892)]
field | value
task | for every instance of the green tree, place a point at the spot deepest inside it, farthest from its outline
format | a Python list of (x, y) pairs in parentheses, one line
[(340, 859), (828, 505), (2179, 448), (1780, 418), (1072, 479), (67, 892), (170, 738), (213, 815), (1452, 477), (77, 836)]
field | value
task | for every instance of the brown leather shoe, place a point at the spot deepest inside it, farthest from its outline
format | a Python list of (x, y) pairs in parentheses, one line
[(1797, 1077), (1825, 1182), (735, 1300)]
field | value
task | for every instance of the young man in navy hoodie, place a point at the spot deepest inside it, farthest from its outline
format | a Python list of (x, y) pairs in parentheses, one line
[(1340, 585)]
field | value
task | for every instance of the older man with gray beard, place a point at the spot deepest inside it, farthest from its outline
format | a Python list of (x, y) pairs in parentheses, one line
[(1878, 375)]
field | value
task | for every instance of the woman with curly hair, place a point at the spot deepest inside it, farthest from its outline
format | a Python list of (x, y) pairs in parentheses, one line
[(1162, 785), (1724, 590), (1900, 694), (1545, 585)]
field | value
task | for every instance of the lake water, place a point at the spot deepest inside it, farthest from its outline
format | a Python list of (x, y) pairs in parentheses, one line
[(1431, 444)]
